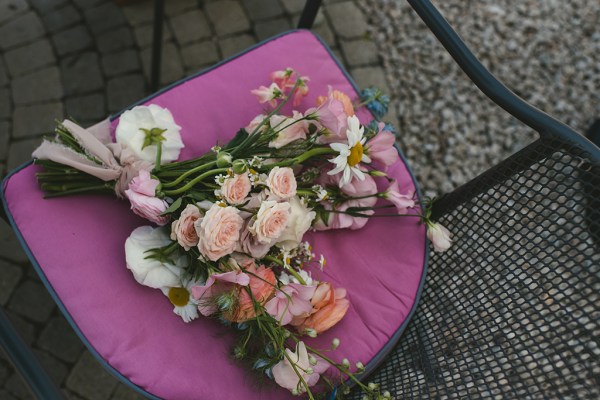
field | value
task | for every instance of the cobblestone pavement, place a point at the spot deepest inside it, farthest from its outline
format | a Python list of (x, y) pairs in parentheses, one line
[(87, 59)]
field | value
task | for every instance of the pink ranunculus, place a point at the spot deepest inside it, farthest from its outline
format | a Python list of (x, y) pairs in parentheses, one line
[(183, 229), (292, 300), (268, 94), (289, 129), (262, 285), (329, 307), (255, 123), (142, 196), (380, 148), (282, 183), (271, 220), (236, 188), (219, 231), (284, 372), (215, 285), (401, 201), (439, 237), (249, 244)]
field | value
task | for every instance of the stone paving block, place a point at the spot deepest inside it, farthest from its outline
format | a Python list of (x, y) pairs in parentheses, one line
[(9, 9), (38, 86), (59, 339), (90, 380), (4, 140), (19, 152), (72, 40), (25, 329), (270, 28), (29, 57), (37, 119), (104, 17), (21, 30), (123, 91), (4, 372), (4, 395), (176, 7), (190, 27), (347, 19), (360, 52), (144, 35), (10, 248), (198, 54), (370, 76), (10, 275), (62, 18), (233, 45), (81, 73), (263, 9), (85, 4), (5, 103), (140, 13), (319, 19), (31, 299), (121, 62), (325, 32), (17, 387), (227, 17), (125, 393), (56, 370), (70, 395), (44, 6), (171, 66), (293, 6), (114, 40), (89, 107), (3, 75)]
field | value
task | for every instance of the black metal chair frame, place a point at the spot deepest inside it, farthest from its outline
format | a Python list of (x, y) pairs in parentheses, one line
[(548, 128)]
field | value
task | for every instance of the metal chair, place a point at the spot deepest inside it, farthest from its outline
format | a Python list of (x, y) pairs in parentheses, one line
[(512, 310)]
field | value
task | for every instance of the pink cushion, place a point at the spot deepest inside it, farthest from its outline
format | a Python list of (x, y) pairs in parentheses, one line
[(77, 243)]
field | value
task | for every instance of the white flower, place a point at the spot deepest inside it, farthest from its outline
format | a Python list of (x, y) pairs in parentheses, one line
[(320, 192), (142, 127), (286, 279), (148, 271), (350, 154), (439, 236), (301, 218), (184, 304)]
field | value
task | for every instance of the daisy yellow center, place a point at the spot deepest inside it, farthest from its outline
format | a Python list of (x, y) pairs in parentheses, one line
[(356, 154), (179, 296)]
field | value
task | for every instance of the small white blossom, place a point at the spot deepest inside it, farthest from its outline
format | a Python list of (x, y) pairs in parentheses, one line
[(322, 262), (216, 148), (220, 179), (256, 162), (320, 192)]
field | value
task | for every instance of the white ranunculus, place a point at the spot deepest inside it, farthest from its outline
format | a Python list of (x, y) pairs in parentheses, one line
[(130, 134), (301, 218), (146, 271)]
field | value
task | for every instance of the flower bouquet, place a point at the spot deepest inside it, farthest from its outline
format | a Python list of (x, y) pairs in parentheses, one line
[(229, 241)]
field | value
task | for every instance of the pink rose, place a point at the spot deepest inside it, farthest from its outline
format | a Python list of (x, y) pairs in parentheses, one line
[(271, 220), (288, 129), (248, 243), (219, 231), (282, 183), (236, 188), (142, 196), (380, 148), (183, 230)]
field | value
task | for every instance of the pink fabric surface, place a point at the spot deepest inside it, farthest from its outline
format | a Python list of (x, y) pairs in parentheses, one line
[(79, 244)]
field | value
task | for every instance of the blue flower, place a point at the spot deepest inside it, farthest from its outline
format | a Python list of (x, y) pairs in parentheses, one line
[(390, 128), (375, 101)]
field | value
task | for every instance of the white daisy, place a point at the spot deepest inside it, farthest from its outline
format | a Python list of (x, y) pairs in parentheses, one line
[(350, 154), (184, 304)]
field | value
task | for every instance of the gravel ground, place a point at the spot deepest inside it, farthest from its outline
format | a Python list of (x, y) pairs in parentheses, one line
[(547, 51)]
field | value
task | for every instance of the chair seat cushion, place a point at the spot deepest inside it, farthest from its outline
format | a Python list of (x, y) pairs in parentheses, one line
[(77, 245)]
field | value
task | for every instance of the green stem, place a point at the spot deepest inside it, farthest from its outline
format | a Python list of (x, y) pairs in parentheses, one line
[(188, 173), (194, 181), (302, 157), (158, 157)]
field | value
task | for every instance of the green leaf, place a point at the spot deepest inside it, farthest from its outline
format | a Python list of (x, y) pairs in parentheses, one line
[(173, 207)]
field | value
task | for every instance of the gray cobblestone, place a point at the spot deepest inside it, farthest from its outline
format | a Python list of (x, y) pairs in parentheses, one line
[(120, 63), (171, 69), (123, 91), (20, 30), (325, 32), (176, 7), (85, 4), (28, 58), (10, 248), (227, 17), (140, 13), (347, 19), (293, 6), (4, 371), (270, 28), (233, 45), (56, 370), (60, 19), (4, 395), (25, 329), (44, 6), (3, 75), (72, 40), (10, 9), (125, 393), (36, 119), (59, 339), (360, 52), (115, 40), (144, 38), (90, 380), (263, 9), (19, 152), (31, 299), (190, 27), (4, 140), (86, 108), (104, 17), (81, 74), (41, 85), (9, 278), (17, 387), (370, 76), (5, 106), (198, 54)]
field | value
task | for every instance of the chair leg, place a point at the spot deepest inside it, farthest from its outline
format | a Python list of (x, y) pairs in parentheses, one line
[(311, 8), (159, 8), (593, 132), (25, 362)]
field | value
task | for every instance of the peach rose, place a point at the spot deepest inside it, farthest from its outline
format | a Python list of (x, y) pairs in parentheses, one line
[(219, 231), (262, 284), (271, 220), (329, 307), (282, 183), (236, 188), (183, 229)]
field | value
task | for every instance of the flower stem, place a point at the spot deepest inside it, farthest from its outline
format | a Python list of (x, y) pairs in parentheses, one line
[(188, 173), (194, 181), (158, 156)]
